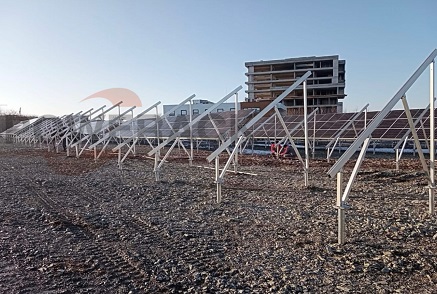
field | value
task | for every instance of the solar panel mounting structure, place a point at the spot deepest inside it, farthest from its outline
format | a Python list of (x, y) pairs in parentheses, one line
[(21, 135), (364, 139), (188, 127), (53, 134), (239, 137), (91, 127), (337, 136), (405, 137), (11, 133), (289, 126), (99, 130), (75, 131), (112, 134), (66, 124), (156, 133), (30, 134)]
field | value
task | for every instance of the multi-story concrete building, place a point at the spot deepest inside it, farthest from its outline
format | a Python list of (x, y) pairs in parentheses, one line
[(268, 79)]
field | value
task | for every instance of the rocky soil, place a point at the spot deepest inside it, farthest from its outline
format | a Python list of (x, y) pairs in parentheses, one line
[(70, 225)]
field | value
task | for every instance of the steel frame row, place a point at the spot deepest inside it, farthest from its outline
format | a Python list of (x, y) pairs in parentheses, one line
[(88, 131)]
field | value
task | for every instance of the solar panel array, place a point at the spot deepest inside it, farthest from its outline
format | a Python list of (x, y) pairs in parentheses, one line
[(204, 129), (326, 126), (393, 126), (222, 124)]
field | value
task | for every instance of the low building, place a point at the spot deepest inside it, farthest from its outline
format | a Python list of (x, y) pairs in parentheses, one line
[(9, 120), (128, 116), (199, 106)]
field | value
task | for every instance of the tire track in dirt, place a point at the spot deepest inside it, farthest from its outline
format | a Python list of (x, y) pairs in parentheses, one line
[(175, 239), (113, 259)]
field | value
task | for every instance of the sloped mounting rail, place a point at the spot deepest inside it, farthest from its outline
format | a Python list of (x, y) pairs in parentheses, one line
[(378, 119), (257, 117)]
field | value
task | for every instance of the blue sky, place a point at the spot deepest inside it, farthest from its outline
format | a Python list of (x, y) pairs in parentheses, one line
[(55, 53)]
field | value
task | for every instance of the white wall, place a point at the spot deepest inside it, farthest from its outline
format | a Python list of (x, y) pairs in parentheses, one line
[(199, 108)]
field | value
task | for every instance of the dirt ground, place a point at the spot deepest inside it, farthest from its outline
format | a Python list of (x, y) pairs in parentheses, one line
[(70, 225)]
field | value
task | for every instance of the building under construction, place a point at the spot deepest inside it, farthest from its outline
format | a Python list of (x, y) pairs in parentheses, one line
[(268, 79)]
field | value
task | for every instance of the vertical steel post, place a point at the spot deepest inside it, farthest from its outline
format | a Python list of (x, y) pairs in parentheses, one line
[(275, 130), (156, 167), (314, 136), (236, 131), (431, 138), (67, 144), (157, 120), (217, 179), (305, 118), (340, 209), (119, 158), (365, 118), (191, 134)]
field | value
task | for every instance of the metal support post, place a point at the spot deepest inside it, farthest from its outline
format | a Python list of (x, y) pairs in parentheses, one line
[(236, 131), (365, 118), (191, 135), (119, 158), (342, 196), (305, 113), (314, 136), (431, 139), (67, 143), (155, 167), (217, 179), (340, 209), (226, 167)]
